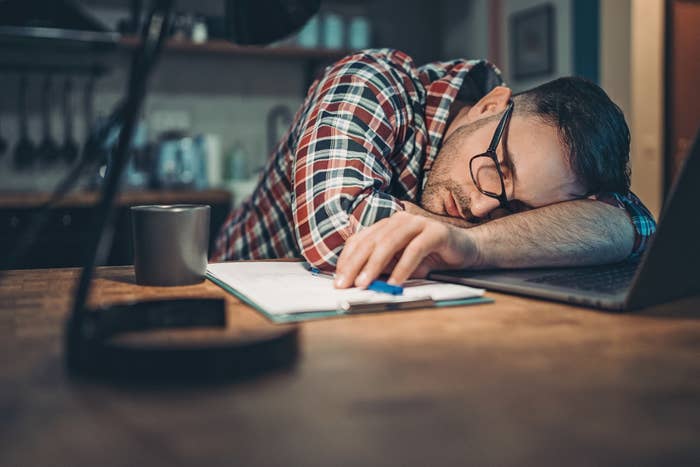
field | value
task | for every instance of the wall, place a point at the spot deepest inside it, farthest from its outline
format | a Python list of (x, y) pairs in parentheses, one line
[(631, 65), (465, 33), (647, 101), (410, 25), (615, 37), (563, 41)]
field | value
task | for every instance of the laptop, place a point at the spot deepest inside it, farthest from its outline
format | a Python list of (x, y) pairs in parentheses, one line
[(669, 269)]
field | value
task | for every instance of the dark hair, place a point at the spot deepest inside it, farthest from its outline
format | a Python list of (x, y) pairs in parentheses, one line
[(591, 126)]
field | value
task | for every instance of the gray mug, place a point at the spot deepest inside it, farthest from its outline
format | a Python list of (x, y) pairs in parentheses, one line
[(170, 243)]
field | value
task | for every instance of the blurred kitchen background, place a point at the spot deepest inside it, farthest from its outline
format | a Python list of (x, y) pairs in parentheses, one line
[(214, 111)]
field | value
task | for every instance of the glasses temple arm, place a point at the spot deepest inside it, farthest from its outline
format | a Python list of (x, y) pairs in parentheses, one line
[(501, 126)]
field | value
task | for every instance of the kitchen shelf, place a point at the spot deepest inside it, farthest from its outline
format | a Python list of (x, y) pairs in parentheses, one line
[(57, 39), (223, 47)]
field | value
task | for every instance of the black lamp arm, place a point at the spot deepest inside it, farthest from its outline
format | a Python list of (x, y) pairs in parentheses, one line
[(153, 35)]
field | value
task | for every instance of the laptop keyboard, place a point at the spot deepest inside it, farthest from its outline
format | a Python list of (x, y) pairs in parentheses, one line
[(606, 280)]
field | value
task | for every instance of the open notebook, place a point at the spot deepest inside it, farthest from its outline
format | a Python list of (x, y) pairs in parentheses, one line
[(286, 291)]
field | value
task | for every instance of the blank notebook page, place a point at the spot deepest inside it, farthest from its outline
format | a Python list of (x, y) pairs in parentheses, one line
[(288, 288)]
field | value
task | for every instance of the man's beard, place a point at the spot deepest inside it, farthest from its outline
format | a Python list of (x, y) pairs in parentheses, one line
[(439, 181), (432, 202)]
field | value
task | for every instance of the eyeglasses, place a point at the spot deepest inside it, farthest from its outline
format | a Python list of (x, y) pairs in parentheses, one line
[(485, 169)]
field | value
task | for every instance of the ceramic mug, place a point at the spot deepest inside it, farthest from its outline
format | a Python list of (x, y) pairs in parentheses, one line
[(170, 243)]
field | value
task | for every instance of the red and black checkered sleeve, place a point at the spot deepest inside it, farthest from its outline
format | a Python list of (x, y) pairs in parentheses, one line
[(642, 220), (342, 172)]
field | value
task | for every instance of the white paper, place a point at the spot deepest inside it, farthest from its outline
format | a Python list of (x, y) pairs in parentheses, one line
[(288, 287)]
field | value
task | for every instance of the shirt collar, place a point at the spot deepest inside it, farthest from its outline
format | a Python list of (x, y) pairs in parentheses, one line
[(468, 80)]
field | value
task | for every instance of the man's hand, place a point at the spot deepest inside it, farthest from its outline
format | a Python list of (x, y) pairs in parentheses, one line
[(406, 245), (572, 233)]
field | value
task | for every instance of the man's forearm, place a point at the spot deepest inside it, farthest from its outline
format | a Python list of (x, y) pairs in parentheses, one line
[(573, 233), (457, 222)]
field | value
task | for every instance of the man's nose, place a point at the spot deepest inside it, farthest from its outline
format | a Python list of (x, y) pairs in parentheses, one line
[(482, 205)]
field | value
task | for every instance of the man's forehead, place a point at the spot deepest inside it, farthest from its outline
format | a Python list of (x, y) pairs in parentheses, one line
[(539, 156)]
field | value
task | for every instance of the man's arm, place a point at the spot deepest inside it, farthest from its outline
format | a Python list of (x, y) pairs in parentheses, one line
[(419, 211), (642, 220), (573, 233), (343, 169)]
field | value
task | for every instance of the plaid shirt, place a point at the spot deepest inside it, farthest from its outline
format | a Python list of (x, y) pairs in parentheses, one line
[(368, 131)]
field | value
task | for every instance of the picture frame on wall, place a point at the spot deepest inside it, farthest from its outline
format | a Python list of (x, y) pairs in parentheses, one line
[(532, 42)]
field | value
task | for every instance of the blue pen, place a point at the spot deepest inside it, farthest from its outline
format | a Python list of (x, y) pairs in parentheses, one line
[(375, 285), (383, 287)]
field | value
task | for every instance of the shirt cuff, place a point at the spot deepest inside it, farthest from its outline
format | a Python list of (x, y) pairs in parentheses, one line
[(642, 220)]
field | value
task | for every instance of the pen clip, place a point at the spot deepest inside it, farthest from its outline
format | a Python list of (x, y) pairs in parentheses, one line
[(316, 272)]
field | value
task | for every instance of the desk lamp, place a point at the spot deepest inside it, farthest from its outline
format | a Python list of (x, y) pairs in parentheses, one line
[(87, 331)]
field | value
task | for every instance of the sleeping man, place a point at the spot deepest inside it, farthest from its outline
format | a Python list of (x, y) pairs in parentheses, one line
[(394, 168)]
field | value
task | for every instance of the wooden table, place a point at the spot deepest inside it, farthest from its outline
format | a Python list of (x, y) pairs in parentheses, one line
[(518, 382)]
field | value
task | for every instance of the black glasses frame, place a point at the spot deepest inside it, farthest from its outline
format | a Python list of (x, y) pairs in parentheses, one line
[(491, 154)]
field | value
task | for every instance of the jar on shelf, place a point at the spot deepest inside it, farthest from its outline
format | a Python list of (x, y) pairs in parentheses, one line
[(236, 167), (333, 31), (359, 33), (309, 36)]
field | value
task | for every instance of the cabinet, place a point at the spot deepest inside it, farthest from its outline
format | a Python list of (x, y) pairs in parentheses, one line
[(63, 240)]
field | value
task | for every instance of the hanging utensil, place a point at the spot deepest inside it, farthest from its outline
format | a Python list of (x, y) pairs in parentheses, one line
[(24, 153), (69, 151), (48, 151)]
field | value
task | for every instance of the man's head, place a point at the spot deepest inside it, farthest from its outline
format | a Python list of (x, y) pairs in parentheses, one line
[(566, 139)]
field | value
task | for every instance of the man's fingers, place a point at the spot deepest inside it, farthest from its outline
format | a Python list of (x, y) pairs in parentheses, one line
[(387, 243), (406, 245), (355, 252), (391, 264), (351, 245), (351, 261), (412, 261), (421, 271), (368, 253)]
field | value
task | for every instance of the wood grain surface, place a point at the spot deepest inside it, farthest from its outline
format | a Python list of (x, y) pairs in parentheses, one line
[(517, 382)]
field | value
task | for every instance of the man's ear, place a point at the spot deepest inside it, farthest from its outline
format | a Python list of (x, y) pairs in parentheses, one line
[(492, 103)]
